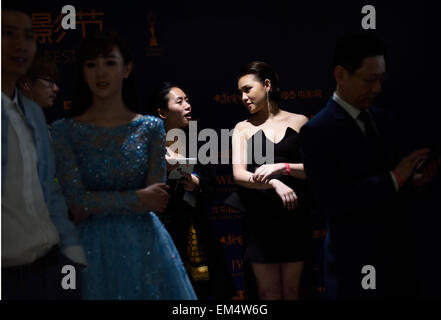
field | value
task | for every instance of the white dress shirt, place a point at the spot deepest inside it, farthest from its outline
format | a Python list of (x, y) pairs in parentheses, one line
[(28, 232)]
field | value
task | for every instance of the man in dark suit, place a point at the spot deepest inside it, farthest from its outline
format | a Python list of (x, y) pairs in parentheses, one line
[(356, 175)]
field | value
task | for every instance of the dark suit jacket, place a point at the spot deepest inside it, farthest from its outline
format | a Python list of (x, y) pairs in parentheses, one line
[(353, 189)]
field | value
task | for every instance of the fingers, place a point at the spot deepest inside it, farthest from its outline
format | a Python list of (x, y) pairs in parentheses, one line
[(161, 184), (161, 189), (416, 155), (261, 177), (261, 174), (285, 201), (186, 177), (414, 159), (431, 169), (293, 201), (290, 201)]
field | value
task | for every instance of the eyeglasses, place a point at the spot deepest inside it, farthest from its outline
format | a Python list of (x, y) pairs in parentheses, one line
[(47, 82)]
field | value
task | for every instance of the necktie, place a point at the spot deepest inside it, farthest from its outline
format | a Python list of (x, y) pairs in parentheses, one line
[(372, 136), (369, 129)]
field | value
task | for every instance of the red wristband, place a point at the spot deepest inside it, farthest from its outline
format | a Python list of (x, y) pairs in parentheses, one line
[(287, 169), (400, 180)]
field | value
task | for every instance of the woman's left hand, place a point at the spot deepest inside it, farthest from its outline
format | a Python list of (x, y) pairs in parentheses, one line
[(265, 171), (189, 181)]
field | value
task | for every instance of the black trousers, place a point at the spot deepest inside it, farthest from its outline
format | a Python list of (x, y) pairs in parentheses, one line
[(42, 279)]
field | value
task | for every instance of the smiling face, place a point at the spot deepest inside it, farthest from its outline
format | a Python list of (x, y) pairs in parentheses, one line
[(18, 44), (178, 113), (254, 93), (105, 75), (361, 87)]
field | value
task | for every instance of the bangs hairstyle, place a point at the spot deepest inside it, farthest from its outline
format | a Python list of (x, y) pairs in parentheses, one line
[(352, 49), (263, 71), (101, 44)]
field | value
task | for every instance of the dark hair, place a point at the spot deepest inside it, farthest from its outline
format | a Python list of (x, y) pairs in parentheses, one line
[(263, 71), (14, 5), (101, 43), (159, 98), (43, 65), (352, 49)]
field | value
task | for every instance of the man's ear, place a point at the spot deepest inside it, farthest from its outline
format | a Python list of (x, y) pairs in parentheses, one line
[(162, 113), (24, 84), (339, 73)]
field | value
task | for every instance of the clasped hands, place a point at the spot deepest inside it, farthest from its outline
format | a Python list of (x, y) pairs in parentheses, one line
[(264, 174)]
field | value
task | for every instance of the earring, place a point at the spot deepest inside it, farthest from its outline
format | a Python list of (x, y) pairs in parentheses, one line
[(267, 100)]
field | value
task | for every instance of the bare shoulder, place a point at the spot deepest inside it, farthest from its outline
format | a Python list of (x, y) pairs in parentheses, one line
[(241, 126), (296, 120)]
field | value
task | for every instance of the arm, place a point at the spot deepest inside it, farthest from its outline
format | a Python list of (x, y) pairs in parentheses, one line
[(241, 175), (81, 201), (265, 171), (296, 170), (245, 178), (157, 151), (70, 243)]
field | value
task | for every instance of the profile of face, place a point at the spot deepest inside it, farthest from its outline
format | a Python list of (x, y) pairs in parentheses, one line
[(254, 92), (178, 113), (43, 90), (18, 44), (105, 75), (362, 87)]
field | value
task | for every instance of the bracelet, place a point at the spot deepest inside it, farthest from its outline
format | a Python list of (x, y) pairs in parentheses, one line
[(399, 179), (287, 169)]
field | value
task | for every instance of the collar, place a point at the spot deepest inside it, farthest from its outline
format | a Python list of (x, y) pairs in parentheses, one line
[(14, 102), (353, 111), (9, 100)]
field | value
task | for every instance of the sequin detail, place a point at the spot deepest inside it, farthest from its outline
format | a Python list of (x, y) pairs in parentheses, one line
[(130, 254)]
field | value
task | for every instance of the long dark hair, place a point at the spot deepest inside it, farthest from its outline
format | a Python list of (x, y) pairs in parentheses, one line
[(101, 43), (263, 71)]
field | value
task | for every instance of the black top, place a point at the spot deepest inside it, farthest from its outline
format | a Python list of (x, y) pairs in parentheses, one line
[(272, 233)]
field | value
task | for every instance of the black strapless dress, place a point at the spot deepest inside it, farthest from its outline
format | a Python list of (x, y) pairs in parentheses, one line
[(272, 233)]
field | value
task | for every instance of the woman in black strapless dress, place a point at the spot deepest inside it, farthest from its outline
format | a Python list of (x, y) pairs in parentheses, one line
[(277, 226)]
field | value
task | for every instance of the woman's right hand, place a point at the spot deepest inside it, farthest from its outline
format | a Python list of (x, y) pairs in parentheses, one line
[(288, 196), (155, 197)]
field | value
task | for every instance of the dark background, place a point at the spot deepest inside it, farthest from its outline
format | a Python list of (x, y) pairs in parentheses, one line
[(203, 47)]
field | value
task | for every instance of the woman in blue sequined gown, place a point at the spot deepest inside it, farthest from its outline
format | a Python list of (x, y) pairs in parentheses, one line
[(111, 166)]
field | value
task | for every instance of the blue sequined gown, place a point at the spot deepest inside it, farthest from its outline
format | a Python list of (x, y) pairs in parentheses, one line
[(130, 254)]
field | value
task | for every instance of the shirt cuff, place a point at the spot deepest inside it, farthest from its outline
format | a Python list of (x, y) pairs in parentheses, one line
[(394, 180), (76, 254)]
